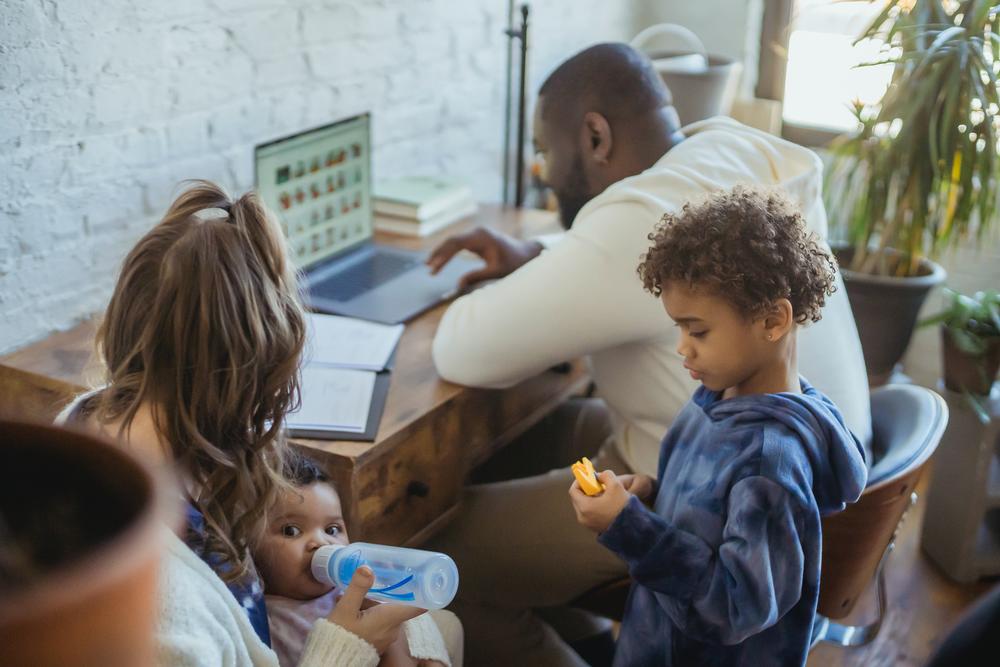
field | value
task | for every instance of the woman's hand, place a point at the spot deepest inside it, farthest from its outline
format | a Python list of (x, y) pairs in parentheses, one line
[(379, 625), (398, 654), (598, 512)]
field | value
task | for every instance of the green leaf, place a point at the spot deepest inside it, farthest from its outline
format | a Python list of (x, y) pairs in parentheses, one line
[(945, 36), (994, 314), (896, 190), (934, 319), (976, 403), (967, 342)]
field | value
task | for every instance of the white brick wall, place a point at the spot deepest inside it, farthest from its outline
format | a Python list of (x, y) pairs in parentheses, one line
[(105, 106)]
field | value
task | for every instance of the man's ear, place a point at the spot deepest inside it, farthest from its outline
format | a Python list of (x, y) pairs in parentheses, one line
[(779, 321), (597, 140)]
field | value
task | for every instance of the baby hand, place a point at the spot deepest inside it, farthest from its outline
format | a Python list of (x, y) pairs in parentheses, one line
[(598, 512)]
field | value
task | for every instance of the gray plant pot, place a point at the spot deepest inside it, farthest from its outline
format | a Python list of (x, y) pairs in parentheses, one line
[(700, 95), (885, 309)]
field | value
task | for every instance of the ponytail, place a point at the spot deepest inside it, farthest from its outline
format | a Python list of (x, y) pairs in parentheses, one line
[(205, 327)]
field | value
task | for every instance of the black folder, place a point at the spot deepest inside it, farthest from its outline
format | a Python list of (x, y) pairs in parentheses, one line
[(375, 410)]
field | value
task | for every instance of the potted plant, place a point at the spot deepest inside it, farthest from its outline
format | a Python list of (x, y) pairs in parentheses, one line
[(970, 341), (921, 172)]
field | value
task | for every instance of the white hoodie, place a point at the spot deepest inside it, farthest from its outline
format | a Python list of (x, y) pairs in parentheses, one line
[(582, 296)]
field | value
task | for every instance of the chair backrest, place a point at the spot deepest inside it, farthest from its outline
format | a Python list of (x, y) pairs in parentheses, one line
[(907, 424), (30, 396)]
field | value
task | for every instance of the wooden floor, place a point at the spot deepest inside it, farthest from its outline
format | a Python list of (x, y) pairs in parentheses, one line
[(923, 602)]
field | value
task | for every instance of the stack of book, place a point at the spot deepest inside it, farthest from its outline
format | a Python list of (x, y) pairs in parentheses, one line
[(419, 205)]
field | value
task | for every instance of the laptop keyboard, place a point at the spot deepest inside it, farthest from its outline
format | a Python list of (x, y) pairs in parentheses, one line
[(375, 270)]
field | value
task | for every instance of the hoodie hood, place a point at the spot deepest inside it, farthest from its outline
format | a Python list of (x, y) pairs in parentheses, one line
[(716, 154), (779, 163), (834, 454)]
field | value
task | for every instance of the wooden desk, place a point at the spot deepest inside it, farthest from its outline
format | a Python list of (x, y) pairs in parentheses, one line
[(405, 485)]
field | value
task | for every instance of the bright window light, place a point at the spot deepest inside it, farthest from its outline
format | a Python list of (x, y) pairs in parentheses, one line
[(822, 78)]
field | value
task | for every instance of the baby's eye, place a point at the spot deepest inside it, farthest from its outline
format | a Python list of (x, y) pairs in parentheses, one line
[(333, 530), (697, 334), (289, 530)]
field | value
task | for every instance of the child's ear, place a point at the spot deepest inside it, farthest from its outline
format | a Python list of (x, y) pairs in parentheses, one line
[(779, 321)]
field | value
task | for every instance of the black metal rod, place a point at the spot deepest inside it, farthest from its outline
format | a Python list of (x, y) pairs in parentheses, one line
[(511, 35), (519, 176)]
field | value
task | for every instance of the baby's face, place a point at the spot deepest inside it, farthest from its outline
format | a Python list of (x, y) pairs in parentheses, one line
[(301, 522)]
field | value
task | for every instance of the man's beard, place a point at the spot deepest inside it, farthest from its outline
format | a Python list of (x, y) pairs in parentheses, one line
[(574, 195)]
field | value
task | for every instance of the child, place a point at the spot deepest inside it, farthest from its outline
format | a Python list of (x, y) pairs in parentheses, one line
[(301, 521), (726, 561)]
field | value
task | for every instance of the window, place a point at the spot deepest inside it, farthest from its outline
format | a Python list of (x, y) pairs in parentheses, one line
[(822, 78)]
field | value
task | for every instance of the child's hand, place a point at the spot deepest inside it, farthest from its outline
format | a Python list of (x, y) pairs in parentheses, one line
[(640, 486), (597, 512)]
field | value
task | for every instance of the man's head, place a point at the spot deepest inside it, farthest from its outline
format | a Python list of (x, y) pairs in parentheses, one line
[(602, 115), (737, 272)]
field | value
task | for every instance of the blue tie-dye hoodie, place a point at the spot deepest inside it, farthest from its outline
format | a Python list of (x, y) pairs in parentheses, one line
[(727, 563)]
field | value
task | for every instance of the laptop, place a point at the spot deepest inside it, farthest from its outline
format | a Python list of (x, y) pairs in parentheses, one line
[(319, 184)]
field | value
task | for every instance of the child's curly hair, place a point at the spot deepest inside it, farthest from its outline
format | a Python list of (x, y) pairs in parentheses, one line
[(747, 246)]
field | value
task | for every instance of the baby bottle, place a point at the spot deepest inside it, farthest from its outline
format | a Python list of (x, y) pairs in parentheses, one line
[(425, 579)]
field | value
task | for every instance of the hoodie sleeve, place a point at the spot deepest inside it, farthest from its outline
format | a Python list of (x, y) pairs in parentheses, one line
[(728, 593), (581, 295)]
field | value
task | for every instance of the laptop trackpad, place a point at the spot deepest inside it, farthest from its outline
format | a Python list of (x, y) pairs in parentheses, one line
[(402, 297)]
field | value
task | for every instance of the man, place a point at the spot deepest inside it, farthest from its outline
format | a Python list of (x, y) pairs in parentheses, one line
[(616, 159)]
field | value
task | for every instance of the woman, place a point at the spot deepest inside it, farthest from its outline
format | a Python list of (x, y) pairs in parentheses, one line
[(201, 344)]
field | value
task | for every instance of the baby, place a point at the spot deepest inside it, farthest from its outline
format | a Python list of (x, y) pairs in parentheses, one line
[(301, 522)]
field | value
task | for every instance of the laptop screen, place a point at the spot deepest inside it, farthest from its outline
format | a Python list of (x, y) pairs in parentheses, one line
[(319, 184)]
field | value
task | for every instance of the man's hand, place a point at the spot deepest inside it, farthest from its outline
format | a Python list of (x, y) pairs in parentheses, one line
[(503, 254), (379, 625), (598, 512), (642, 487)]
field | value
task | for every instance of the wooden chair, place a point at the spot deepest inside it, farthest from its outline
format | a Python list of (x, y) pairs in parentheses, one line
[(907, 424)]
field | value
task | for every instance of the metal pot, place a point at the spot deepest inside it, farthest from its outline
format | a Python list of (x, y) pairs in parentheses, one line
[(701, 85)]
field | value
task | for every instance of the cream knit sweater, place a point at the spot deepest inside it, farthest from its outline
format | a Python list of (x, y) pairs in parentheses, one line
[(202, 625)]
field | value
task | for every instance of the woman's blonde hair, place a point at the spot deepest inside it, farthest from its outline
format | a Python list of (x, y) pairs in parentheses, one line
[(205, 326)]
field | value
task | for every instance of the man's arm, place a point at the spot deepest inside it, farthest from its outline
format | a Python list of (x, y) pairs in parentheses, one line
[(580, 296)]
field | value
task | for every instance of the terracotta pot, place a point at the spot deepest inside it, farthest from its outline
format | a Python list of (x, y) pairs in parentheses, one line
[(885, 310), (87, 520), (965, 372)]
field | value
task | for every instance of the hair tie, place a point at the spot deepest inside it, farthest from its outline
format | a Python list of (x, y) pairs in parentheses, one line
[(225, 206)]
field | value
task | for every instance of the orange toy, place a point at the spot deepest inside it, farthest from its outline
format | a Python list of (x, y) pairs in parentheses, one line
[(585, 474)]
